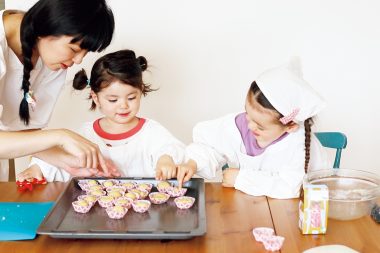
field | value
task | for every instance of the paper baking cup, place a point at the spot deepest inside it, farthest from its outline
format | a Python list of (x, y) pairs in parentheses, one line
[(154, 200), (128, 185), (140, 209), (145, 186), (262, 232), (81, 209), (105, 203), (163, 186), (85, 197), (273, 243), (127, 204), (116, 214), (184, 205), (176, 192)]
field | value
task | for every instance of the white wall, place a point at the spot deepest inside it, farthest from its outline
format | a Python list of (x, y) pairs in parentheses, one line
[(203, 55)]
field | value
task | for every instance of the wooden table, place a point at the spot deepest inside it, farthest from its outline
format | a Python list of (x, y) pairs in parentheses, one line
[(231, 215), (362, 235)]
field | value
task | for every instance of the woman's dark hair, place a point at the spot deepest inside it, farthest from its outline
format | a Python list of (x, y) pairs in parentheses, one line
[(264, 102), (89, 21), (120, 66)]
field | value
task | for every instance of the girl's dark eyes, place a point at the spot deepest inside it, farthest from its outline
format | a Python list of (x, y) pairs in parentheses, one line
[(132, 98), (112, 100)]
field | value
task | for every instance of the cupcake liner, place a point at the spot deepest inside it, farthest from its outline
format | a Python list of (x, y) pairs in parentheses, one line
[(145, 186), (127, 204), (262, 232), (116, 214), (273, 243), (158, 201), (80, 208), (184, 205), (128, 185), (140, 209), (163, 186), (109, 182), (87, 198), (141, 194), (105, 202), (176, 192), (116, 188)]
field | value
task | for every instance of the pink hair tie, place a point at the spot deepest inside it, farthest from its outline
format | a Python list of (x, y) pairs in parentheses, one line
[(290, 117)]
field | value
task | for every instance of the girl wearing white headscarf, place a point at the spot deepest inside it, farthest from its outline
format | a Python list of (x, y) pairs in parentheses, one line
[(267, 149)]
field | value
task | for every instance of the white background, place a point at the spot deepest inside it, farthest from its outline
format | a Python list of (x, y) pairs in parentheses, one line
[(203, 55)]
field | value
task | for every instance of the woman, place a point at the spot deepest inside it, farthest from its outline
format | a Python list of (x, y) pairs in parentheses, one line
[(36, 48)]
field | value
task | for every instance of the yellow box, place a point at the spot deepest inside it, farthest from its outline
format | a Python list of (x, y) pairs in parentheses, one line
[(313, 211)]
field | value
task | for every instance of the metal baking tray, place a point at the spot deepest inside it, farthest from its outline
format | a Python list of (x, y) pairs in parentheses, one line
[(164, 221)]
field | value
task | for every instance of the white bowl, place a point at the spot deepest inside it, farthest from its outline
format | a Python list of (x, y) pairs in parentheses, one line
[(352, 193)]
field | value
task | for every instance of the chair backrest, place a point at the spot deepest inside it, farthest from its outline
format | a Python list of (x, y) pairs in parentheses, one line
[(335, 140)]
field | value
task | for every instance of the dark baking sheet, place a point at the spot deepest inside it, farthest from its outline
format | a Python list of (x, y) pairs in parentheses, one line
[(163, 221)]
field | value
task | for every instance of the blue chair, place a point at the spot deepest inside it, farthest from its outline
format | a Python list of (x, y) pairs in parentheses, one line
[(335, 140)]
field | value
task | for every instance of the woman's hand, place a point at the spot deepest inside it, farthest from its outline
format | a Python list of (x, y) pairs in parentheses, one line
[(229, 177), (186, 171), (87, 154), (165, 169)]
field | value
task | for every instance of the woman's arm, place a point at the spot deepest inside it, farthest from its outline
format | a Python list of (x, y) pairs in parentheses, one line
[(21, 143)]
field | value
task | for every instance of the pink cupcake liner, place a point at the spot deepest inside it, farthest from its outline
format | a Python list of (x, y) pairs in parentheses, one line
[(85, 184), (109, 181), (156, 200), (116, 214), (141, 194), (97, 193), (163, 186), (262, 232), (105, 203), (184, 205), (116, 187), (128, 185), (176, 192), (85, 197), (273, 243), (127, 205), (81, 209), (140, 209), (145, 186)]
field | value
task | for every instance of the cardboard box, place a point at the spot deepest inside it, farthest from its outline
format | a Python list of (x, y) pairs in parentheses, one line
[(314, 209)]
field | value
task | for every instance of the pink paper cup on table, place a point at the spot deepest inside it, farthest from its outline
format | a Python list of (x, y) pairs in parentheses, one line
[(273, 243), (81, 208), (262, 232)]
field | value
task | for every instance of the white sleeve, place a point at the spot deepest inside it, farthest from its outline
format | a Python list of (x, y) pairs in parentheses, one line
[(50, 172), (164, 143), (203, 151)]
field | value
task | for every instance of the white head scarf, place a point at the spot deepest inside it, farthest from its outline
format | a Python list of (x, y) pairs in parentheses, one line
[(289, 93)]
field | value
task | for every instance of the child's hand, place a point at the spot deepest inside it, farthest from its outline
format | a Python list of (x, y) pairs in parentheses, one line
[(33, 171), (166, 169), (185, 172), (229, 177)]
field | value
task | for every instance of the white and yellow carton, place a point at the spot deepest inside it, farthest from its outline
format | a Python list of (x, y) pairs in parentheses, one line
[(314, 209)]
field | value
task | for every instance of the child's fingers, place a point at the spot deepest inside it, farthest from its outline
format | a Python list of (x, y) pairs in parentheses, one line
[(158, 174), (187, 176), (103, 164), (180, 176)]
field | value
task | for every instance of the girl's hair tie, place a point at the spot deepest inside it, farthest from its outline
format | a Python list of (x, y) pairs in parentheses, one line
[(88, 82)]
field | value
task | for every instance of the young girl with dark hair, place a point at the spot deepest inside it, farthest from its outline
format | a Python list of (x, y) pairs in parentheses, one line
[(265, 150), (36, 48), (139, 147)]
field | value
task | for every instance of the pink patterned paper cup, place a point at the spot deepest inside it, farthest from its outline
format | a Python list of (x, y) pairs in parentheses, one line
[(123, 201), (260, 233), (141, 194), (273, 243), (106, 201), (163, 186), (145, 186), (109, 183), (91, 199), (176, 192), (128, 185), (81, 206), (158, 197), (141, 206), (184, 202), (116, 212)]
